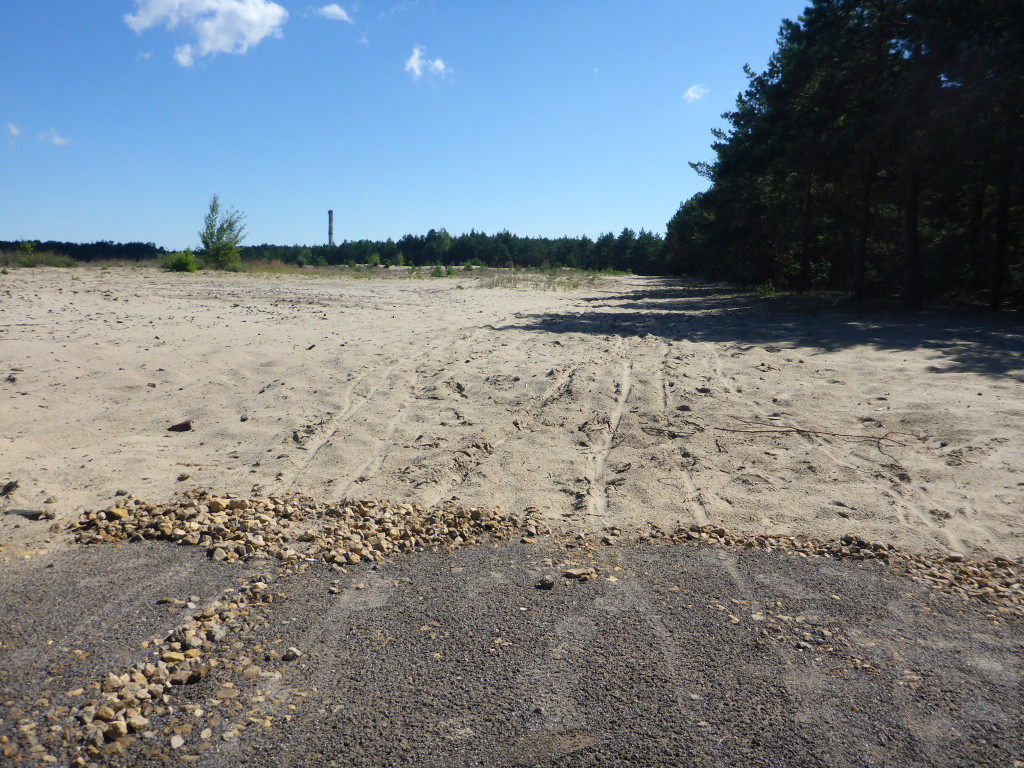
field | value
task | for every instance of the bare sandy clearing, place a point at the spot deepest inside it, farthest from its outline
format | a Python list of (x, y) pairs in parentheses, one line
[(605, 405)]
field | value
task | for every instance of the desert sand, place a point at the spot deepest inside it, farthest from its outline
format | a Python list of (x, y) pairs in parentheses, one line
[(623, 401)]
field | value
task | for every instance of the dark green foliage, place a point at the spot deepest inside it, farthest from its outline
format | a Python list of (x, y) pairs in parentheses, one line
[(880, 152), (104, 250), (640, 252)]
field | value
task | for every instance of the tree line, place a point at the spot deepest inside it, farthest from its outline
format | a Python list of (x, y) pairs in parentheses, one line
[(880, 151), (640, 252), (101, 250)]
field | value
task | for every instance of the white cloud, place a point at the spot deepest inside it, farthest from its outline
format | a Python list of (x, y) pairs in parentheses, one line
[(695, 93), (53, 138), (220, 26), (335, 12), (183, 55), (416, 65), (13, 130)]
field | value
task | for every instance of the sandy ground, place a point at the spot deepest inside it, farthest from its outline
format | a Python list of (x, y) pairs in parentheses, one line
[(616, 403), (623, 402)]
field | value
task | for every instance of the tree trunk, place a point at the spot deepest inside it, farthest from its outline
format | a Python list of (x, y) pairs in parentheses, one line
[(911, 248), (1002, 236), (860, 259), (805, 246)]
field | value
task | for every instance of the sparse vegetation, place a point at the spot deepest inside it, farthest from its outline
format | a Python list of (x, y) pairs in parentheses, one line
[(551, 280), (28, 256)]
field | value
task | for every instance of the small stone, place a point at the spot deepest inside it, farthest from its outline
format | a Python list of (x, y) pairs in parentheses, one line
[(177, 741), (216, 634), (115, 729), (205, 734), (291, 654), (182, 426), (183, 477), (105, 713), (252, 673), (583, 574), (546, 582), (172, 657)]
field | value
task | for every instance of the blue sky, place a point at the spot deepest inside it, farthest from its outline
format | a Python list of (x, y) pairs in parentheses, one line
[(120, 118)]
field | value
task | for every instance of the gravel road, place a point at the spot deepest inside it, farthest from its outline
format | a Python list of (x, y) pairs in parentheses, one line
[(669, 655)]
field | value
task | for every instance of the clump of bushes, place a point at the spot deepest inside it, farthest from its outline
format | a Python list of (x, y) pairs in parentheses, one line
[(181, 261)]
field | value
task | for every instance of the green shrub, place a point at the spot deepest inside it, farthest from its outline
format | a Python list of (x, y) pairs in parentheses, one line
[(180, 261), (220, 236), (437, 271), (766, 289)]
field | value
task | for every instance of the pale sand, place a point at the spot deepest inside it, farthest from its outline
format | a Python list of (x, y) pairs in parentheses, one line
[(599, 406)]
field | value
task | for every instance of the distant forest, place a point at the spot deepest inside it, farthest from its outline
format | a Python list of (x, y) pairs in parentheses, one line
[(641, 252), (879, 152)]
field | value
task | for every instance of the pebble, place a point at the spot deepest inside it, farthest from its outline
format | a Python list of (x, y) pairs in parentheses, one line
[(998, 581), (294, 528)]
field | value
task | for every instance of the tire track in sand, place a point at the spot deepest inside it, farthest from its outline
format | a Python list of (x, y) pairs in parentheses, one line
[(597, 483)]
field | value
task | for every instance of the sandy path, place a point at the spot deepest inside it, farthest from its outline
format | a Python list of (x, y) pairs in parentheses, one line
[(604, 405)]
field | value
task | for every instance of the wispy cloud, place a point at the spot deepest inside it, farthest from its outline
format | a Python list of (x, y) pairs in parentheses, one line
[(220, 26), (144, 56), (695, 93), (53, 138), (416, 65), (335, 12), (13, 132), (399, 8)]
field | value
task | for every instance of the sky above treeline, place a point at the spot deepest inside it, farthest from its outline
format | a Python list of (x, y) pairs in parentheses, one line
[(120, 118)]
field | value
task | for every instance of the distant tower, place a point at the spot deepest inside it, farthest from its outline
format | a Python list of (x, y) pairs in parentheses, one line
[(330, 228)]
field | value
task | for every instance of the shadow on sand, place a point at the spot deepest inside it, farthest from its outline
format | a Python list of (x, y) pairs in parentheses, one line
[(963, 340)]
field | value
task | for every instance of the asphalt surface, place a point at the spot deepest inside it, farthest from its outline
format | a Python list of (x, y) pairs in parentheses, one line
[(461, 660)]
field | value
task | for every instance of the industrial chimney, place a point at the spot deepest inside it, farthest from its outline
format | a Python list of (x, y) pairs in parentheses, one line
[(330, 228)]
